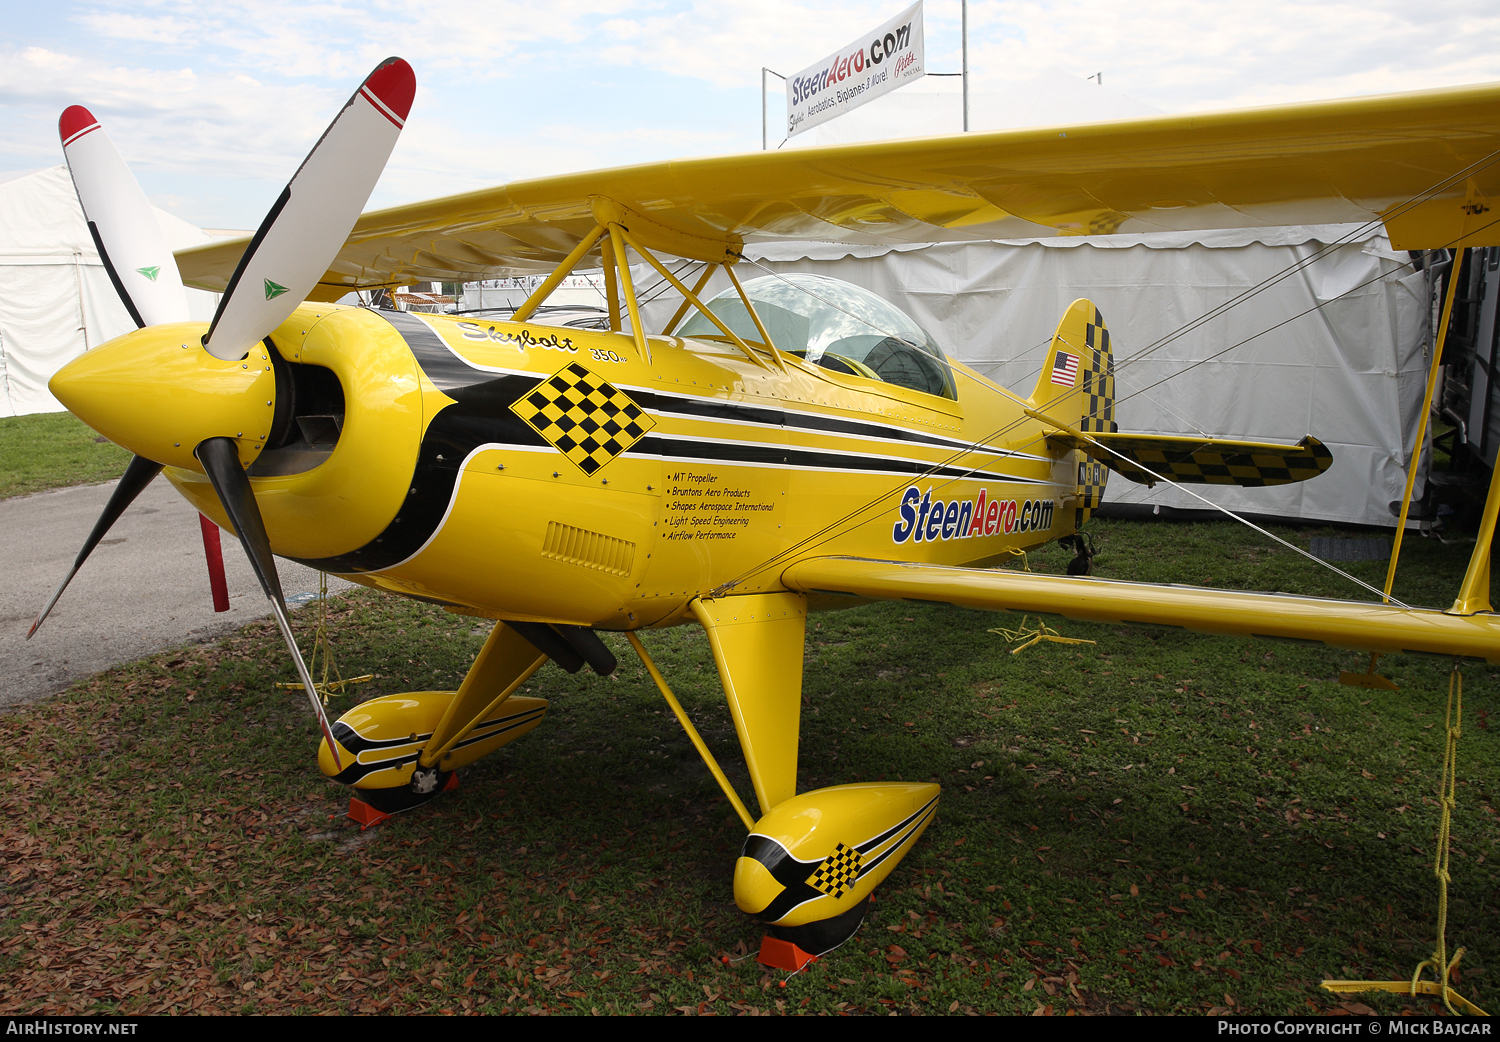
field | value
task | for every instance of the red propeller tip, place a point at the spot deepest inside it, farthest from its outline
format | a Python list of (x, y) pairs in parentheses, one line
[(392, 86), (75, 122)]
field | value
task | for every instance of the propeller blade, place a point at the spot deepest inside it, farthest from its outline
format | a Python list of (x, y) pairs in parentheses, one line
[(130, 242), (221, 462), (136, 477), (310, 221)]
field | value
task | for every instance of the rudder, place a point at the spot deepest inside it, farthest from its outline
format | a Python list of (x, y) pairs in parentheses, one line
[(1077, 386)]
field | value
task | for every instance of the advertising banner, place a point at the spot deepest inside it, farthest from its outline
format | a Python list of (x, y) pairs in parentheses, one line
[(875, 64)]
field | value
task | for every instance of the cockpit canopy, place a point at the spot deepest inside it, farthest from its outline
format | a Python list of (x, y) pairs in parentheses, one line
[(834, 325)]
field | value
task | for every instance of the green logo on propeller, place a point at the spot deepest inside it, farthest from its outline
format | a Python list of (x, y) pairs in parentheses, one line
[(150, 273), (273, 290)]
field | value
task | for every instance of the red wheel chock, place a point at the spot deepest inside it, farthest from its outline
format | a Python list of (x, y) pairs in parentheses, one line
[(782, 955), (367, 815)]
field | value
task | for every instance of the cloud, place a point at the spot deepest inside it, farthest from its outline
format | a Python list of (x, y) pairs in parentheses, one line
[(235, 92), (726, 44), (1185, 56), (176, 118), (336, 39)]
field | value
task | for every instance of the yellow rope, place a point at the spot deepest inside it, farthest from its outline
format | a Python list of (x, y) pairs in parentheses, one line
[(1441, 966), (1447, 794), (1034, 636), (1025, 561), (322, 647)]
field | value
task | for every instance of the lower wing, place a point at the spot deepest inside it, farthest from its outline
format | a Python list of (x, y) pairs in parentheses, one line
[(1384, 628)]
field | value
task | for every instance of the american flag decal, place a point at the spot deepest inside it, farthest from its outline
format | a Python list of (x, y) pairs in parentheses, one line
[(1065, 369)]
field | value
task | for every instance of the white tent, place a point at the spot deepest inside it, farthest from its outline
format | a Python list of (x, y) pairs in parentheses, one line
[(56, 300), (1350, 370), (1335, 348)]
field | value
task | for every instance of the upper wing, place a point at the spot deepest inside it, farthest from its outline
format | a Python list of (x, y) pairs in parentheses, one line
[(1382, 628), (1424, 163)]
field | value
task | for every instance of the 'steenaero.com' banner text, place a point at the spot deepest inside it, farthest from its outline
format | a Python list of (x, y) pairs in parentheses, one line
[(875, 64)]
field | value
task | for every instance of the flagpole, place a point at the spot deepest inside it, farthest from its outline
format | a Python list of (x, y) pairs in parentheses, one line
[(966, 67)]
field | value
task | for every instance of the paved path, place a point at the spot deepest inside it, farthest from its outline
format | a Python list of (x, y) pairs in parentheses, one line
[(144, 589)]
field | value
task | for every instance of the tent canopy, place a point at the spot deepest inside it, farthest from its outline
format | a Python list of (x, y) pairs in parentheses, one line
[(56, 300)]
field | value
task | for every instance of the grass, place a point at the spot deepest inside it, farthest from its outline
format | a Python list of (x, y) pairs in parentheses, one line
[(54, 450), (1156, 823)]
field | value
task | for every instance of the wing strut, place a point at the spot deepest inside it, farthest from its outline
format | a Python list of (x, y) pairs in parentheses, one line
[(754, 317), (617, 240), (687, 300), (1474, 593), (692, 298), (1416, 452), (611, 287), (562, 271)]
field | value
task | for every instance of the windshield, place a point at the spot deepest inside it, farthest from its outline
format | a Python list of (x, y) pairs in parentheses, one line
[(837, 326)]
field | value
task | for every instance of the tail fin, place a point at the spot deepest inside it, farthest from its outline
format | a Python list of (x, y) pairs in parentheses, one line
[(1077, 386)]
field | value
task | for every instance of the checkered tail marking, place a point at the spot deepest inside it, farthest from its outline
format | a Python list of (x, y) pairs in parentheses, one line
[(1098, 412), (1222, 464), (583, 417)]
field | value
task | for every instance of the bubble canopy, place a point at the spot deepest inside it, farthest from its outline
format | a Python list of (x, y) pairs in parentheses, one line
[(834, 325)]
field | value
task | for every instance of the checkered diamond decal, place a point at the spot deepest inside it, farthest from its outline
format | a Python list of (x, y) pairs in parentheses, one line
[(583, 417), (836, 873)]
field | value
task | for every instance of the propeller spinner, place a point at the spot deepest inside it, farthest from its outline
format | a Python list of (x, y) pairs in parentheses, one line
[(178, 396)]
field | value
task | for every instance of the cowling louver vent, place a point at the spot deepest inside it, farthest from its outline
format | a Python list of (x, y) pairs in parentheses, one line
[(588, 549)]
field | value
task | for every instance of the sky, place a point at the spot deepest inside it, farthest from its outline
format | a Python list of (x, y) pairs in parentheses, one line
[(215, 104)]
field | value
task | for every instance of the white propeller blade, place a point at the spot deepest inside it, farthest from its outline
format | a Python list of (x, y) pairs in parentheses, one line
[(308, 225), (130, 242)]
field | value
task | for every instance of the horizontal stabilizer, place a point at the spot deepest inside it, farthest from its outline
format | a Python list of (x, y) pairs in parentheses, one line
[(1146, 458), (1359, 626)]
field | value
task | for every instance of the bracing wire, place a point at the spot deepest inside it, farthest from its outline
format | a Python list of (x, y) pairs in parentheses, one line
[(1301, 264), (1247, 522), (837, 526)]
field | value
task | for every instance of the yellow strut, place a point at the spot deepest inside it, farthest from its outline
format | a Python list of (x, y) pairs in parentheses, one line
[(1416, 452), (693, 297), (687, 301), (617, 236), (433, 756), (692, 732), (562, 271), (1474, 593), (765, 337), (611, 290)]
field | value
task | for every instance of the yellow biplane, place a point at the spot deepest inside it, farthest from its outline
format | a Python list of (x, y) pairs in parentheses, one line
[(791, 445)]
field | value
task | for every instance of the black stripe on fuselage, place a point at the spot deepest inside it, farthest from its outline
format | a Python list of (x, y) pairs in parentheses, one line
[(808, 459), (481, 415), (443, 367), (448, 370), (720, 409)]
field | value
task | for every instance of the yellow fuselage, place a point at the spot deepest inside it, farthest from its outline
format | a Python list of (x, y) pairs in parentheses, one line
[(459, 474)]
